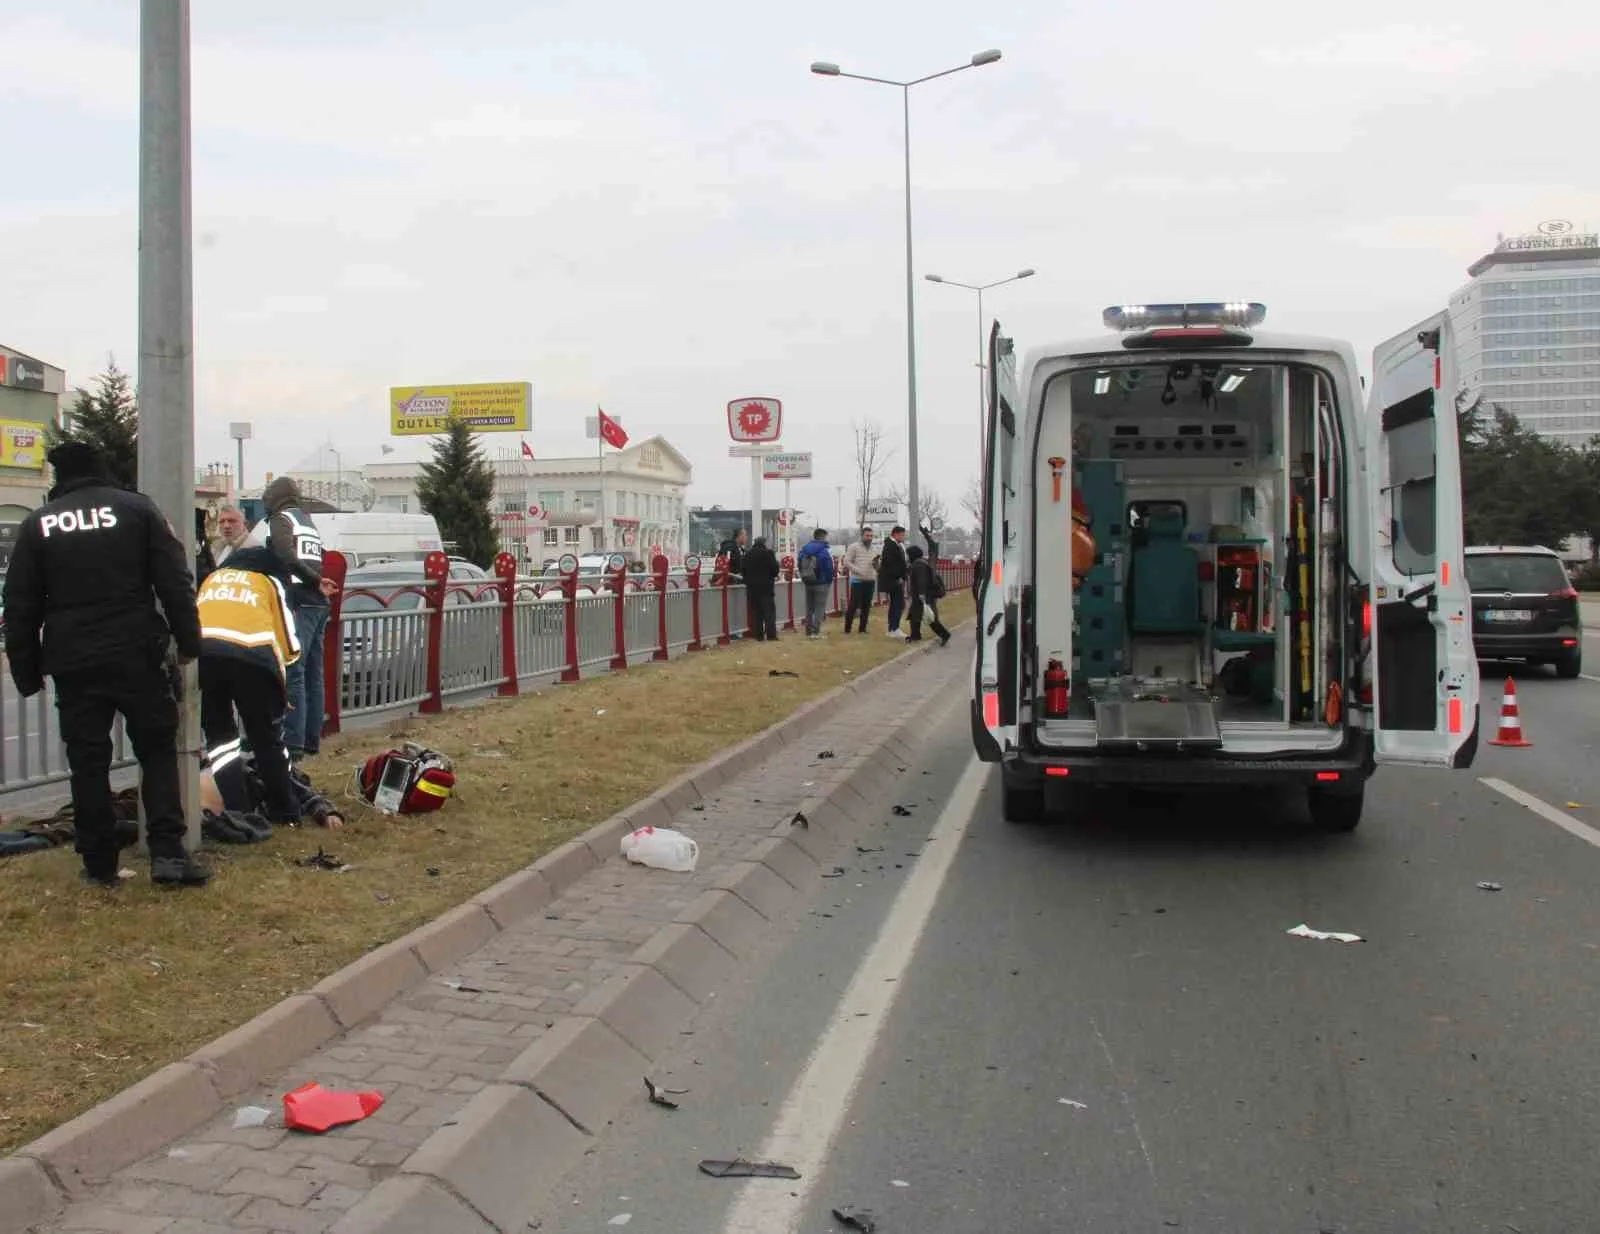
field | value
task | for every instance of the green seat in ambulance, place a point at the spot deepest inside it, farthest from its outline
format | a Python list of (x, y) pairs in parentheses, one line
[(1166, 579)]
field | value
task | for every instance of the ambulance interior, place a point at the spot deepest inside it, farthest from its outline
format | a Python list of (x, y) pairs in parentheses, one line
[(1214, 615)]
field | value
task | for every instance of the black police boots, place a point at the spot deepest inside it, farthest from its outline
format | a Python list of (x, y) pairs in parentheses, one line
[(185, 871)]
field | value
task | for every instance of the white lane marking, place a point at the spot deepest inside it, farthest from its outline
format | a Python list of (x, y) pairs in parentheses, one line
[(814, 1110), (1545, 810)]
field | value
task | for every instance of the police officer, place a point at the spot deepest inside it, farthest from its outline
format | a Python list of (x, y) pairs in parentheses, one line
[(80, 604), (295, 540)]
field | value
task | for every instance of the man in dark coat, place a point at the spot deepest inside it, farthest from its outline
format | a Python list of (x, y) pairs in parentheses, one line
[(81, 606), (760, 586), (892, 578)]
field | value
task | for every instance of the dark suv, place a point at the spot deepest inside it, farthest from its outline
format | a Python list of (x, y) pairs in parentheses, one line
[(1524, 607)]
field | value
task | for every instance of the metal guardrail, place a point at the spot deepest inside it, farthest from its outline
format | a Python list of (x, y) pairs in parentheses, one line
[(411, 647)]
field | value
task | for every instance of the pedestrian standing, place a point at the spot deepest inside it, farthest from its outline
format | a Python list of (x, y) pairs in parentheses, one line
[(249, 642), (760, 585), (927, 589), (86, 573), (231, 533), (816, 572), (860, 566), (296, 542), (892, 578)]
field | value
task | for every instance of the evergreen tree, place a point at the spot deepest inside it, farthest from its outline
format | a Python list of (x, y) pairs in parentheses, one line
[(106, 417), (456, 487)]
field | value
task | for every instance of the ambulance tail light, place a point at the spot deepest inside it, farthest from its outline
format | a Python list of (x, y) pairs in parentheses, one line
[(1123, 317)]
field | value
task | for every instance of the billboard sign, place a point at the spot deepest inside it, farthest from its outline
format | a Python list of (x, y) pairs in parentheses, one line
[(882, 511), (790, 466), (492, 407), (755, 419), (21, 444)]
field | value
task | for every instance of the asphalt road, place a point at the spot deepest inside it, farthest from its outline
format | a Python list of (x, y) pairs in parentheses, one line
[(1103, 1026)]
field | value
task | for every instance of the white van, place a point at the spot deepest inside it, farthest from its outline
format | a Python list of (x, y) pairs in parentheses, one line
[(377, 536), (1250, 519)]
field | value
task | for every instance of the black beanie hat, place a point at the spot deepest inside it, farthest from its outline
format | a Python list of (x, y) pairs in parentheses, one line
[(914, 553), (72, 460)]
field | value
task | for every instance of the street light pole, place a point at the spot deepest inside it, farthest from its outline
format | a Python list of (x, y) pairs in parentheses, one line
[(824, 68), (980, 288), (166, 322)]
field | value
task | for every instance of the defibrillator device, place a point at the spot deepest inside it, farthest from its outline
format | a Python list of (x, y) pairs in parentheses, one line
[(410, 780)]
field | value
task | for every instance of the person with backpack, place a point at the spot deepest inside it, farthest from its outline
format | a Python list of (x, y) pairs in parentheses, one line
[(927, 589), (816, 572)]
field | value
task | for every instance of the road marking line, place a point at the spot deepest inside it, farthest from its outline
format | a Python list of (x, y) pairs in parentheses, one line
[(1587, 677), (814, 1110), (1545, 810)]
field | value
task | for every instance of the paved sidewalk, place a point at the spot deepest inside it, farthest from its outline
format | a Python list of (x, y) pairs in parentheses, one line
[(432, 1049)]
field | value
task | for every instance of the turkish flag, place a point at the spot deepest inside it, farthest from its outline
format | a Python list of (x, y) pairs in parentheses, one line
[(527, 450), (611, 431)]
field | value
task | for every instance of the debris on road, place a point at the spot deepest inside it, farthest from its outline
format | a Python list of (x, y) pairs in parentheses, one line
[(740, 1168), (836, 872), (1305, 931), (250, 1116), (661, 848), (781, 672), (799, 819), (621, 1219), (862, 1219), (658, 1095), (824, 753), (316, 1109), (864, 849), (465, 989), (898, 1182), (1076, 1105), (1487, 886), (322, 861), (901, 811)]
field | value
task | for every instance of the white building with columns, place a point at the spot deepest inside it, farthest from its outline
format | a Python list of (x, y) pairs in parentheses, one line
[(550, 506)]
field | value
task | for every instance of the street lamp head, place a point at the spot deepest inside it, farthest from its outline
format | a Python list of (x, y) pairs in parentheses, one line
[(1025, 274), (823, 68), (985, 57), (933, 278)]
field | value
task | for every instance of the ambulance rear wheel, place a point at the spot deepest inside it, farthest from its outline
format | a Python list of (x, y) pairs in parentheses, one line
[(1335, 811), (1021, 802)]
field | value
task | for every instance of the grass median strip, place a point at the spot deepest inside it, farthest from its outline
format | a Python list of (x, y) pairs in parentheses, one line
[(100, 990)]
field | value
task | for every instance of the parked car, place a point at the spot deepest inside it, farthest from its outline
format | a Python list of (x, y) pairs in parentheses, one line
[(384, 657), (1524, 607)]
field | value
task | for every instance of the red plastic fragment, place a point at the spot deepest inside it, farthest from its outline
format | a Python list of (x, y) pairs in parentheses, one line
[(314, 1108)]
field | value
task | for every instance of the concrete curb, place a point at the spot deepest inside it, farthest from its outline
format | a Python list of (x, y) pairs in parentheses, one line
[(451, 1183), (507, 1148)]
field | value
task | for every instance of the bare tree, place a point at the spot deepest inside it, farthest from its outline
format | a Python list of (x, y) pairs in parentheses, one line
[(872, 456), (972, 500), (935, 511)]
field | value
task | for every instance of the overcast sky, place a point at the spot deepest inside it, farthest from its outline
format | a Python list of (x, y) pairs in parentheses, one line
[(656, 207)]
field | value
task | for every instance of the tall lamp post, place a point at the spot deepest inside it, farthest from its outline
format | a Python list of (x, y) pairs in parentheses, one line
[(980, 288), (824, 68)]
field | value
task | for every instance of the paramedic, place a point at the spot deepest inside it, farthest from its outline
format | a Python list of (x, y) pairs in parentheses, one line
[(295, 540), (892, 577), (861, 568), (249, 642), (80, 605), (816, 571)]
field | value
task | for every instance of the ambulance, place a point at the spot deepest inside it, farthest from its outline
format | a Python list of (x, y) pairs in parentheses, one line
[(1276, 592)]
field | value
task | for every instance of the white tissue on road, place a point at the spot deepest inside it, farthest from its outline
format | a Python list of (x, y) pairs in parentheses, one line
[(1305, 931), (1076, 1105), (621, 1219), (250, 1116)]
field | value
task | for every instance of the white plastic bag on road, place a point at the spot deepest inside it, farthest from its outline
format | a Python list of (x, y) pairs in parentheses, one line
[(661, 848)]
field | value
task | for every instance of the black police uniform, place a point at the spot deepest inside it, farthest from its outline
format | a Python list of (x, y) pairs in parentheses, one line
[(85, 574)]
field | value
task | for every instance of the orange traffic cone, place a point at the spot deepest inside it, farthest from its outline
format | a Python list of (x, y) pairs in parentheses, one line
[(1510, 733)]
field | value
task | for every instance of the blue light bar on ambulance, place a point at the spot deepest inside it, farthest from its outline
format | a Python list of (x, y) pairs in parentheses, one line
[(1146, 316)]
